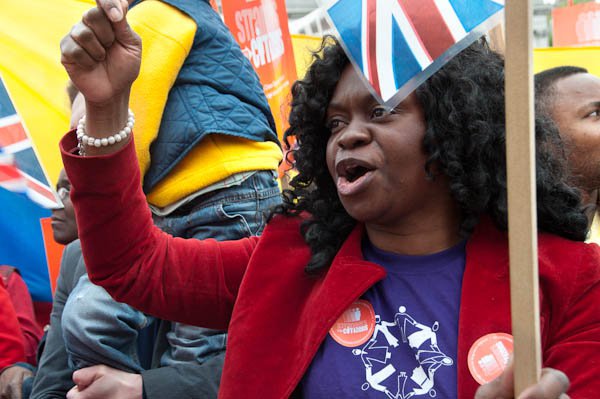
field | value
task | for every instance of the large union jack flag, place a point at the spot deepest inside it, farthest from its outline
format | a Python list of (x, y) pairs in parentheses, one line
[(20, 170), (25, 196), (398, 44)]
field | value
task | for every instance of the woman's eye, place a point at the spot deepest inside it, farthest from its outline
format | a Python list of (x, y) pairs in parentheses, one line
[(334, 125), (379, 112), (594, 114)]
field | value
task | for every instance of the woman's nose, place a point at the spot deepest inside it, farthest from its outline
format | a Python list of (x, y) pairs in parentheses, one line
[(355, 135)]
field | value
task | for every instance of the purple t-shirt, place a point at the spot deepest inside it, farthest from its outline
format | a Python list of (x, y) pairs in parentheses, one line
[(400, 339)]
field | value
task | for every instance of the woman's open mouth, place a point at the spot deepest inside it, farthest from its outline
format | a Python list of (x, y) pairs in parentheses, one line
[(353, 176)]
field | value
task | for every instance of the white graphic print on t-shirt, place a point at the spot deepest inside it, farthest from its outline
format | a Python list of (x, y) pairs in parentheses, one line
[(381, 375)]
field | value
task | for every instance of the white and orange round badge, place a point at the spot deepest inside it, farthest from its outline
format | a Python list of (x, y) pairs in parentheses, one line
[(489, 356), (355, 326)]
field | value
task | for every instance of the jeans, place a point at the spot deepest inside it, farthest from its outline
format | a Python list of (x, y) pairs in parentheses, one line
[(99, 330)]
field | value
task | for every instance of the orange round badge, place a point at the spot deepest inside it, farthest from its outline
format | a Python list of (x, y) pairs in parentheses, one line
[(355, 326), (489, 356)]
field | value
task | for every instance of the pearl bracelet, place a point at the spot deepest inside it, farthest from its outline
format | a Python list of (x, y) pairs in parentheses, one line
[(83, 139)]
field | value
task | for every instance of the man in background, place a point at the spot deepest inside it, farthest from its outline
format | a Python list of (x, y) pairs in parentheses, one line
[(570, 96)]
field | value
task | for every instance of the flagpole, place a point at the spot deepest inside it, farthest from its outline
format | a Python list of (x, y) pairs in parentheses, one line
[(497, 41), (522, 218)]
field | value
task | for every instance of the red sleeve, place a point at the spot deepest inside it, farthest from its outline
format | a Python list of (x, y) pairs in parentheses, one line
[(574, 345), (21, 300), (11, 340), (191, 281)]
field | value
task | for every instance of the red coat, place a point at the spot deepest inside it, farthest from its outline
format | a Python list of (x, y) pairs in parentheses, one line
[(11, 340), (278, 316), (21, 300)]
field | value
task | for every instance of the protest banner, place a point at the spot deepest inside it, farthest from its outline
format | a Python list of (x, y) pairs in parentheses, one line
[(576, 25), (304, 46), (53, 252), (585, 57), (261, 29)]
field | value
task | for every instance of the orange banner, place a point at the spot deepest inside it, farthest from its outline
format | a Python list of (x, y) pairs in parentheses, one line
[(261, 29), (576, 25), (53, 252)]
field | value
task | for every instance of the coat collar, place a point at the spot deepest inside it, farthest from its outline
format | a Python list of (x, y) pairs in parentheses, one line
[(348, 277), (485, 301)]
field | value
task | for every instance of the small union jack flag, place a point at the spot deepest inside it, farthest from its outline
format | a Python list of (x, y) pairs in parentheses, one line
[(398, 44)]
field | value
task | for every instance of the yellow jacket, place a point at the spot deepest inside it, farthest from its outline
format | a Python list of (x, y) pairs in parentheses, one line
[(217, 156)]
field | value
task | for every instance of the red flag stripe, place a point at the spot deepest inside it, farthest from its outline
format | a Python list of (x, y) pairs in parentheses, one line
[(12, 134), (430, 25), (39, 188), (13, 178), (9, 172), (372, 44)]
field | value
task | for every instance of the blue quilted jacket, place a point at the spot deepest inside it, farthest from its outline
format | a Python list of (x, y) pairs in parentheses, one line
[(216, 91)]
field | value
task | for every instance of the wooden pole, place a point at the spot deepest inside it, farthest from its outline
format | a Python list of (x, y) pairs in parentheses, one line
[(522, 219), (496, 36)]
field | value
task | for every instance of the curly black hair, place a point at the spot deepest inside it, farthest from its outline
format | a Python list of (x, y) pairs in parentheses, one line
[(464, 140)]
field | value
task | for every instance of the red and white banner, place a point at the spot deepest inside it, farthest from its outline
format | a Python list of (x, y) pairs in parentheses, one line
[(576, 25)]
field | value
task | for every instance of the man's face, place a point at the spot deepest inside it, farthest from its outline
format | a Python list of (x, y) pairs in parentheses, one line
[(64, 226), (576, 110)]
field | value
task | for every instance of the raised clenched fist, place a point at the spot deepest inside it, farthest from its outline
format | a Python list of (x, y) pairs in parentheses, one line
[(102, 54)]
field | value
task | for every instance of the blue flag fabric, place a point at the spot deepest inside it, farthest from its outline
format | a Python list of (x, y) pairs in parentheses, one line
[(22, 243)]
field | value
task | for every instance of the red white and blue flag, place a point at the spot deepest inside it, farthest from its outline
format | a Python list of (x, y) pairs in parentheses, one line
[(20, 170), (398, 44), (25, 197)]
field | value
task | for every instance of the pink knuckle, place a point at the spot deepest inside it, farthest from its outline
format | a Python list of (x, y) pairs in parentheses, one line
[(92, 15), (78, 53), (64, 43), (107, 41), (80, 56), (87, 16), (66, 49), (83, 34)]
